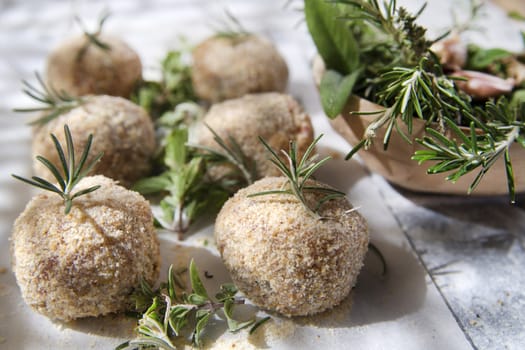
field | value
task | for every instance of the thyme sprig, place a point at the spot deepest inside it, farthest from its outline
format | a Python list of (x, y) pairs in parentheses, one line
[(298, 172), (54, 102), (72, 172), (172, 311)]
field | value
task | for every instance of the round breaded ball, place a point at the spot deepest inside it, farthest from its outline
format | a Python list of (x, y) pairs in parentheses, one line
[(79, 67), (283, 258), (88, 262), (226, 67), (277, 118), (120, 128)]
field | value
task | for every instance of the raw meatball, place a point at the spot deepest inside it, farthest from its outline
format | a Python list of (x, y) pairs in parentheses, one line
[(277, 118), (120, 128), (79, 67), (282, 257), (228, 67), (86, 263)]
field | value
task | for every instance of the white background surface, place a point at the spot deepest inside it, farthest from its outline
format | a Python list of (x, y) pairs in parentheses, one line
[(402, 311)]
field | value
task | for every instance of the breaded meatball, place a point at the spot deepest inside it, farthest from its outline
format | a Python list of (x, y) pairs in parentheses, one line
[(120, 128), (227, 67), (282, 257), (275, 117), (79, 67), (88, 262)]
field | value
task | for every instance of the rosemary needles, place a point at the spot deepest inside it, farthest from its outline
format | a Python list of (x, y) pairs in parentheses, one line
[(298, 172), (70, 174)]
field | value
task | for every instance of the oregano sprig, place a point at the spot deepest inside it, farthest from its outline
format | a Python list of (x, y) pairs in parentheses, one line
[(70, 174), (298, 172), (173, 313)]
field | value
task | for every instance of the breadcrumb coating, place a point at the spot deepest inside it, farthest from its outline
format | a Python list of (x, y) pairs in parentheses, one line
[(277, 118), (282, 257), (86, 263), (121, 130), (230, 67), (79, 68)]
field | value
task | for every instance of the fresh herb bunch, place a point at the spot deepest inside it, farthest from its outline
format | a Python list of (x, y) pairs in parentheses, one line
[(54, 103), (298, 172), (378, 52), (189, 191), (175, 86), (72, 172), (169, 311)]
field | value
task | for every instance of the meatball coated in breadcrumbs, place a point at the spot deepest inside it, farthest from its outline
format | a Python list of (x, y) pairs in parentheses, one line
[(79, 67), (120, 128), (88, 262), (275, 117), (226, 67), (282, 257)]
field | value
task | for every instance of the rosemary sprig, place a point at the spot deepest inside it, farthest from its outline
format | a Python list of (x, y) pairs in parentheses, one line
[(500, 127), (297, 173), (71, 173), (230, 27), (172, 311), (231, 153), (54, 103), (93, 37)]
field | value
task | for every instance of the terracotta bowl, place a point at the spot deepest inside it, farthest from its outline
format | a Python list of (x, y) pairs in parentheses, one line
[(395, 164)]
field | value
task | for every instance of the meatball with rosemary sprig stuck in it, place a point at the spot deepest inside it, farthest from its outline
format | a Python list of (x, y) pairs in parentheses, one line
[(82, 248), (291, 244), (94, 64)]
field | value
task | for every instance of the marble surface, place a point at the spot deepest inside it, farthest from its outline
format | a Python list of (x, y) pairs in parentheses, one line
[(454, 279)]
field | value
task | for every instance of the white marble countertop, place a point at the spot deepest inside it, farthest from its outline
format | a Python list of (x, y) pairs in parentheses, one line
[(455, 263)]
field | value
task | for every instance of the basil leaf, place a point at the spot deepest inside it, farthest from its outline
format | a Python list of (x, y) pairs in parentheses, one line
[(335, 90), (332, 36)]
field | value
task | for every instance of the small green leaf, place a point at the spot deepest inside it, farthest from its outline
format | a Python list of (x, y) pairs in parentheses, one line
[(202, 321), (335, 90), (176, 153), (152, 185), (233, 324), (196, 283)]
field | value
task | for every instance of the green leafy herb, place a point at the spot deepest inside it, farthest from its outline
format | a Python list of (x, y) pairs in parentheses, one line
[(406, 77), (173, 313), (54, 103), (71, 173), (175, 86), (189, 192), (298, 172)]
